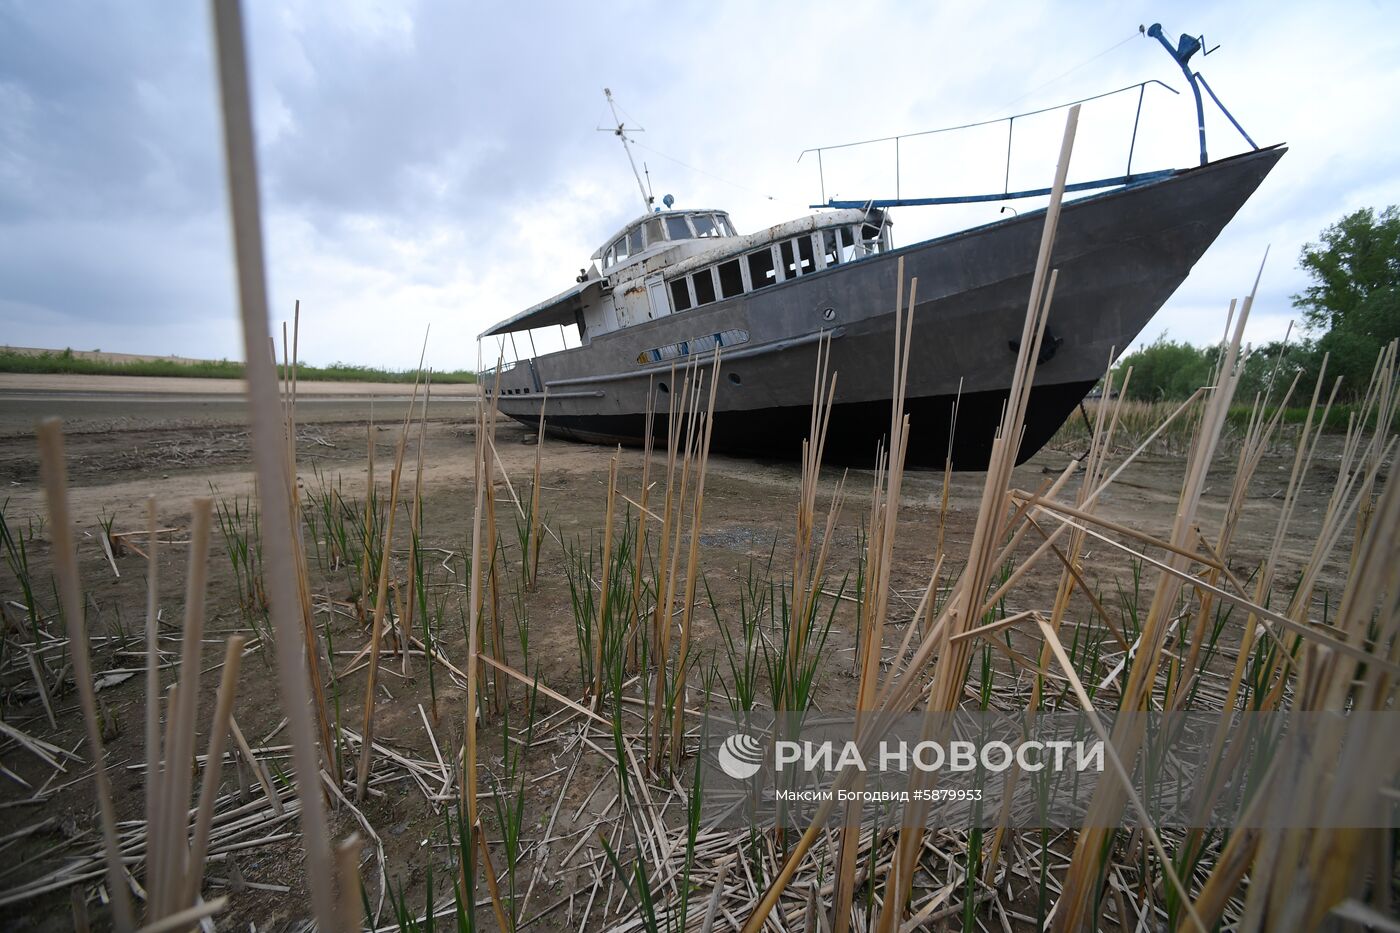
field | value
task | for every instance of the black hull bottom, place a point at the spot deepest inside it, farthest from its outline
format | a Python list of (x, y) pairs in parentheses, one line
[(856, 428)]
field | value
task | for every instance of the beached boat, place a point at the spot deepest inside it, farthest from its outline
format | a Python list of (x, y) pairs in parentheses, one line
[(673, 285)]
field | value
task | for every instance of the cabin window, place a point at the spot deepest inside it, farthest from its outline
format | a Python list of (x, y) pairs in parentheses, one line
[(654, 232), (680, 294), (634, 242), (677, 228), (620, 248), (805, 259), (789, 267), (726, 228), (704, 287), (761, 268), (848, 244), (610, 257), (830, 251), (704, 225), (731, 280)]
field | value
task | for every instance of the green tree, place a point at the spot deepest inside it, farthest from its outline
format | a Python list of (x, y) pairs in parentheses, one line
[(1165, 369), (1354, 298), (1269, 369)]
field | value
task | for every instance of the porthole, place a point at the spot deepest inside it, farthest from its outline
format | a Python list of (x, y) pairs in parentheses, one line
[(828, 314), (662, 387), (734, 378)]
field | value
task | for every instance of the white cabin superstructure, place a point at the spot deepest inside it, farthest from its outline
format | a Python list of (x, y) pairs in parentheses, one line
[(669, 262)]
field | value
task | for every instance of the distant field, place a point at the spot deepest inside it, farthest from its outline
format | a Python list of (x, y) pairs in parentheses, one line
[(97, 363)]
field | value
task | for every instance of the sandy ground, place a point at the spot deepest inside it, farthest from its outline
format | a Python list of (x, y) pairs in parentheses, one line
[(40, 384), (123, 448), (138, 409)]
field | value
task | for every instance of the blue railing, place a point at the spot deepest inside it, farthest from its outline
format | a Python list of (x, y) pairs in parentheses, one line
[(1006, 194), (1181, 53)]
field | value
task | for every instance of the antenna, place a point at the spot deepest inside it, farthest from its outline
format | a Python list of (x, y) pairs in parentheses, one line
[(621, 132)]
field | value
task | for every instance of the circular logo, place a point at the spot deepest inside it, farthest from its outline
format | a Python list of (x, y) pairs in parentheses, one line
[(741, 756)]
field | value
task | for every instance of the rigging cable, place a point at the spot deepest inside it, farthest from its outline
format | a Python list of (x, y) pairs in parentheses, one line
[(1131, 36), (723, 181)]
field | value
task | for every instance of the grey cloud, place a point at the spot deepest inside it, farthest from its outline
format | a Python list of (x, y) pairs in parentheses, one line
[(475, 105), (446, 152), (142, 270), (105, 110)]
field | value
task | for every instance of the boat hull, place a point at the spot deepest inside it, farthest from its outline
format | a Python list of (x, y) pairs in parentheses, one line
[(856, 429), (1119, 256)]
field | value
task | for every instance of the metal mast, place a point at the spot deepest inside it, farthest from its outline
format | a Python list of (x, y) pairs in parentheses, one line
[(620, 132)]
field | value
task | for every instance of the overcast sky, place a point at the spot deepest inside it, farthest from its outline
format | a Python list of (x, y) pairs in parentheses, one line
[(438, 162)]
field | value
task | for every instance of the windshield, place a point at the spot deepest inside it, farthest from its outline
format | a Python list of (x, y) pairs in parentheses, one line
[(676, 228)]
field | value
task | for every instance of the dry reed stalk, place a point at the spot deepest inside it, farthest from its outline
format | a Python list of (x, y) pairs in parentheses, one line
[(213, 767), (925, 652), (884, 517), (671, 548), (105, 540), (606, 580), (1315, 632), (947, 473), (1094, 465), (415, 531), (1183, 671), (923, 614), (1088, 864), (376, 634), (1186, 551), (405, 620), (1239, 853), (546, 690), (901, 690), (347, 860), (1052, 639), (967, 594), (241, 163), (806, 575), (158, 829), (634, 621), (660, 610), (187, 918), (536, 535), (692, 568), (399, 630), (1302, 874), (180, 729), (492, 885), (54, 473), (1258, 434), (367, 542), (496, 642), (41, 686), (381, 598), (496, 630), (965, 610), (468, 783), (290, 362), (1236, 856), (154, 794), (258, 768)]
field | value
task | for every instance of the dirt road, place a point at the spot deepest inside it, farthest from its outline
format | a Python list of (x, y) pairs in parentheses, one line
[(102, 402)]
